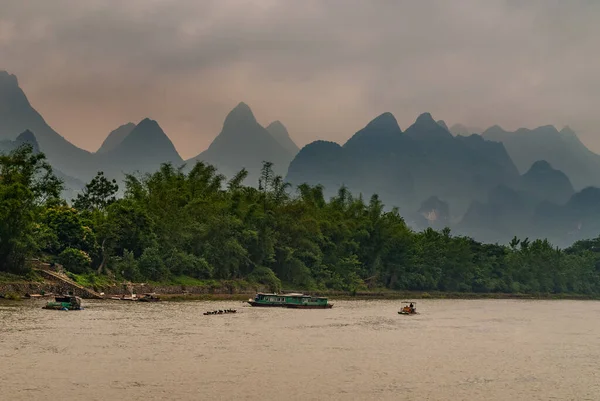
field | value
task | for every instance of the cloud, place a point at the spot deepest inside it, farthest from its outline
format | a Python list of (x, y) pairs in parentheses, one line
[(323, 67)]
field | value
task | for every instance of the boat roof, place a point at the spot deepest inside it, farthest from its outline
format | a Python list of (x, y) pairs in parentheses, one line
[(290, 294)]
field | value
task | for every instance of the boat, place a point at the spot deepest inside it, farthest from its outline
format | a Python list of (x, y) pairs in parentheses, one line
[(149, 298), (409, 308), (220, 312), (124, 298), (68, 302), (40, 295), (293, 300)]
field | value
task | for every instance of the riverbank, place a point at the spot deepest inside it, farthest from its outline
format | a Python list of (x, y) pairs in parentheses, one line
[(387, 295), (177, 294), (186, 289)]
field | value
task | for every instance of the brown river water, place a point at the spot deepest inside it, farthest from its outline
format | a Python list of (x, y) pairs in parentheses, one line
[(359, 350)]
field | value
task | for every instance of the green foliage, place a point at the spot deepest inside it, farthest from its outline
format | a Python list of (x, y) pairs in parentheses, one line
[(27, 185), (66, 228), (127, 266), (264, 275), (75, 260), (196, 229), (98, 194), (152, 265), (12, 296)]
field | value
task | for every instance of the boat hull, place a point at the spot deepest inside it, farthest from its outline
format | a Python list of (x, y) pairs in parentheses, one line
[(266, 305), (328, 306)]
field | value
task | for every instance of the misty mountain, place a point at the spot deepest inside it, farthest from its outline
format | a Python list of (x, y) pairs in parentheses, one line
[(578, 219), (71, 185), (244, 143), (546, 183), (116, 137), (506, 213), (543, 204), (144, 149), (461, 129), (26, 137), (280, 133), (17, 115), (443, 124), (434, 213), (563, 150), (406, 169)]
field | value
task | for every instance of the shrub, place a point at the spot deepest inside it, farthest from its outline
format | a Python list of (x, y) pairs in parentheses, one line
[(181, 263), (264, 275), (75, 260), (151, 265), (127, 266)]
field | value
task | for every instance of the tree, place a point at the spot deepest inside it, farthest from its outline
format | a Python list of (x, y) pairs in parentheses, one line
[(27, 183), (98, 194)]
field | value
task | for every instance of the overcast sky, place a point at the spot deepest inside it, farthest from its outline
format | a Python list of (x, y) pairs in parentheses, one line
[(322, 67)]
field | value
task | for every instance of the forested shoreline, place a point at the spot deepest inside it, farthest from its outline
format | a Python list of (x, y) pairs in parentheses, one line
[(193, 223)]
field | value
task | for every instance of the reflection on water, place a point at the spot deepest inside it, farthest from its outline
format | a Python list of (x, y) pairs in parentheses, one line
[(359, 350)]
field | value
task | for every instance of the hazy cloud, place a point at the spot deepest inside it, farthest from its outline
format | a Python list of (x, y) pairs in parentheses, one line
[(322, 67)]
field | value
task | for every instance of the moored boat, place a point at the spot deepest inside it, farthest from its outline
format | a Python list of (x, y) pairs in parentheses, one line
[(295, 300), (133, 297), (149, 298), (68, 302)]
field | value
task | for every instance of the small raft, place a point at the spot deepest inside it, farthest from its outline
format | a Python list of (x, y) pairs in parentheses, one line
[(219, 312), (409, 308)]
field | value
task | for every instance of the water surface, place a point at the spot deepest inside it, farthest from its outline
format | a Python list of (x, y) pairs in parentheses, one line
[(359, 350)]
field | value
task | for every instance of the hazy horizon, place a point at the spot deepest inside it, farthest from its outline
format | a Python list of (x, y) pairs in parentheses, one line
[(324, 69)]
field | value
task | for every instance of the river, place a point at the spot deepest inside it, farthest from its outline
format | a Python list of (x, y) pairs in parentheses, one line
[(359, 350)]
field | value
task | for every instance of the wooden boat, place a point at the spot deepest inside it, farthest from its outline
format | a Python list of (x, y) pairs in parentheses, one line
[(124, 298), (409, 308), (68, 302), (149, 298), (295, 301), (35, 296)]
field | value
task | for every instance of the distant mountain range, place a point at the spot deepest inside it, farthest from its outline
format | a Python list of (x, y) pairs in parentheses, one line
[(562, 149), (142, 147), (407, 168), (491, 184)]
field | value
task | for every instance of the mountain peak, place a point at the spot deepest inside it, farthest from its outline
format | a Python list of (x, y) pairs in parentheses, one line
[(377, 131), (425, 118), (385, 121), (8, 79), (547, 183), (277, 125), (241, 114), (244, 143), (116, 137), (281, 135), (567, 132), (28, 137), (541, 165), (144, 148), (425, 127)]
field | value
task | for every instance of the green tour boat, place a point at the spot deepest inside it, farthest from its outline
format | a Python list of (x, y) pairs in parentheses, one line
[(298, 301), (67, 302)]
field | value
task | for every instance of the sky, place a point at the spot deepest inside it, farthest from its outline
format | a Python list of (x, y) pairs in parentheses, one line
[(324, 68)]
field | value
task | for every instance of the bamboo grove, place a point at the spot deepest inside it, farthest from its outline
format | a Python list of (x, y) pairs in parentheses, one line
[(177, 222)]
